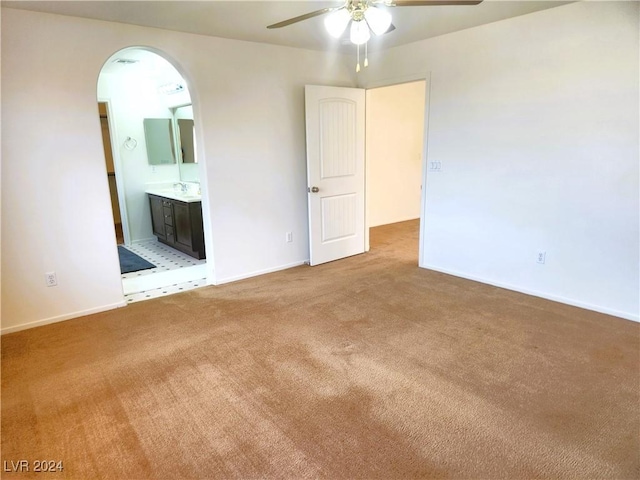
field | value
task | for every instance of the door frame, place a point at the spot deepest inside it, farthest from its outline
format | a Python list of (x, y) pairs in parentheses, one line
[(117, 167), (426, 77)]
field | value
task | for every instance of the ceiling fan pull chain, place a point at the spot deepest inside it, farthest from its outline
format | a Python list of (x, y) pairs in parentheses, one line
[(366, 54), (358, 64)]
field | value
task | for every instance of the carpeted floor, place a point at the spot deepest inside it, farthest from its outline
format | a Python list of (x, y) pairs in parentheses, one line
[(364, 368)]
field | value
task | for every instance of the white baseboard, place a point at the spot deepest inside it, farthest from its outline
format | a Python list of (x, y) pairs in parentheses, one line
[(548, 296), (260, 272), (62, 318), (398, 220), (143, 240)]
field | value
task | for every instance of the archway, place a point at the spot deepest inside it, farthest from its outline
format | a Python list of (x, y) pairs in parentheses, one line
[(149, 114)]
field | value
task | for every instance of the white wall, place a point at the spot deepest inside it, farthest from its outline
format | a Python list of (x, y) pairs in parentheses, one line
[(535, 121), (249, 112), (395, 132)]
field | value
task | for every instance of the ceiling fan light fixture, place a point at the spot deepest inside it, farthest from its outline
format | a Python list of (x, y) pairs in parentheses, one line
[(379, 20), (336, 22), (365, 18), (359, 32)]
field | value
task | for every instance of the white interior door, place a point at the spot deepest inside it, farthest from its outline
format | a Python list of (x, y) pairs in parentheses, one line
[(335, 123)]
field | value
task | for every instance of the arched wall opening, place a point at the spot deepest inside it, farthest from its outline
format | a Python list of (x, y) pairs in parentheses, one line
[(153, 137)]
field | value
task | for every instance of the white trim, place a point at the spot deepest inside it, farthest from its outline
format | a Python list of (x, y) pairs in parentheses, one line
[(422, 236), (117, 167), (143, 240), (62, 318), (536, 293), (261, 272), (367, 175), (399, 220), (386, 82)]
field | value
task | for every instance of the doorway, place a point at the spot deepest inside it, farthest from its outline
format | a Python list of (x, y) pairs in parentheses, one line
[(393, 159), (395, 135), (148, 105), (103, 110)]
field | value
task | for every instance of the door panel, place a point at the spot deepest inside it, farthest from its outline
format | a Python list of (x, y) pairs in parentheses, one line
[(338, 214), (182, 224), (157, 216), (335, 170), (337, 138)]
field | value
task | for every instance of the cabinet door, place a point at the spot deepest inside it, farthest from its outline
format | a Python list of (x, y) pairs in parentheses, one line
[(157, 216), (182, 224)]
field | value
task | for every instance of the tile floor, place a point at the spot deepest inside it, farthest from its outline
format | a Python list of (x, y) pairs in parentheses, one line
[(166, 260)]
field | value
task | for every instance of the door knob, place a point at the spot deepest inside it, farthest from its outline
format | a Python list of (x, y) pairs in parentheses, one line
[(315, 189)]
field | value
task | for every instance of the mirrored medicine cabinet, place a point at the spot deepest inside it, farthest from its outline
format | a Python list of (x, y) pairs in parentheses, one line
[(171, 139), (158, 135)]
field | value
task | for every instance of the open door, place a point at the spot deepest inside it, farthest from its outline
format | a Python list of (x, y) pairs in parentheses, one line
[(335, 123)]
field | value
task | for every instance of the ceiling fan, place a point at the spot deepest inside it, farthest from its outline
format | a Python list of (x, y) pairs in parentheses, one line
[(365, 17)]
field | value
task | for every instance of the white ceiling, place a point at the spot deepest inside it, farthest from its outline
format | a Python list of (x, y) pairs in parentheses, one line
[(247, 20)]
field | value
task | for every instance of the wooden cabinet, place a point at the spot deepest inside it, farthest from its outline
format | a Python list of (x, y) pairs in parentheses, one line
[(178, 224), (157, 217)]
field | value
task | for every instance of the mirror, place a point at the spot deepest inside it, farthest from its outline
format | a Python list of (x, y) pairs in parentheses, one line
[(172, 140), (185, 137), (185, 144), (158, 134)]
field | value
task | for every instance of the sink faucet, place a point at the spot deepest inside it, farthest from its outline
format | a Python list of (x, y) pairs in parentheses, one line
[(183, 186)]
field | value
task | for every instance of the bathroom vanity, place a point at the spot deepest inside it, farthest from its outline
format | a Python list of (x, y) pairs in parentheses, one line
[(177, 221)]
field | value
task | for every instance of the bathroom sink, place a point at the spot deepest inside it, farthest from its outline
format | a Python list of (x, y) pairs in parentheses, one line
[(173, 195)]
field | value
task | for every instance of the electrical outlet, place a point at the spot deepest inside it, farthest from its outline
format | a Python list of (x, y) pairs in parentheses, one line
[(289, 237), (50, 279), (435, 166), (542, 256)]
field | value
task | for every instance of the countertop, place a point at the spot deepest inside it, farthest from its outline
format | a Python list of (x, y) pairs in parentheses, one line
[(173, 195)]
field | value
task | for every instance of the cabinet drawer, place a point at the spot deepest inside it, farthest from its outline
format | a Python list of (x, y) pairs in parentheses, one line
[(166, 203), (168, 230)]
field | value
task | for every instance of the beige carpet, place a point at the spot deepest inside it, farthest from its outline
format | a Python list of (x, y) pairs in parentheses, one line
[(364, 368)]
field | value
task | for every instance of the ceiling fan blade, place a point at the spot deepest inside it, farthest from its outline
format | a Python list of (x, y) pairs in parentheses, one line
[(300, 18), (428, 3)]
